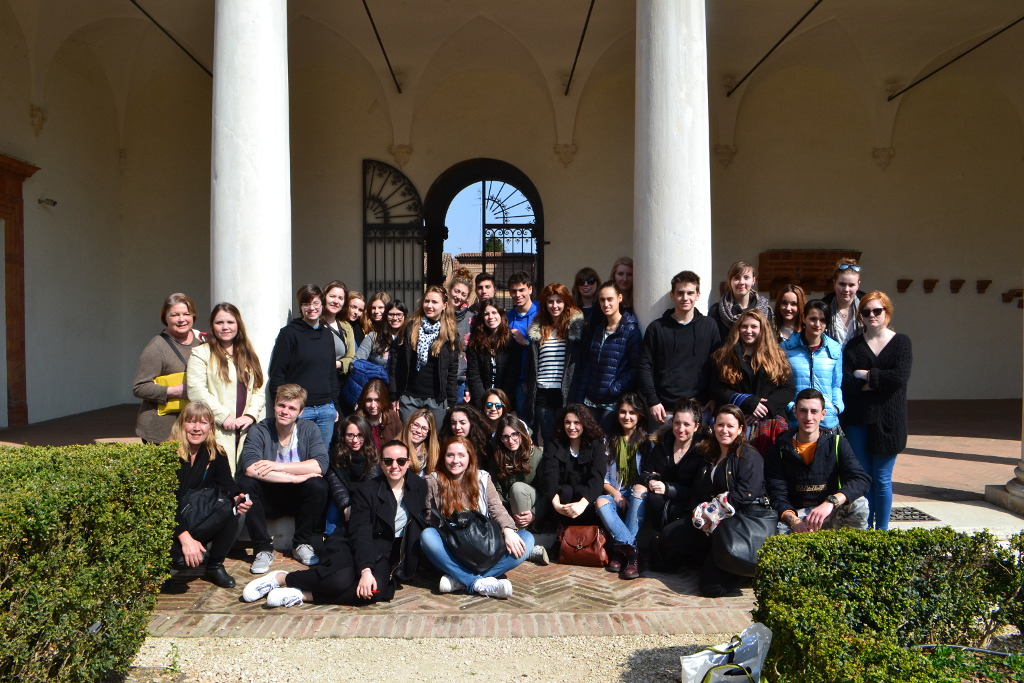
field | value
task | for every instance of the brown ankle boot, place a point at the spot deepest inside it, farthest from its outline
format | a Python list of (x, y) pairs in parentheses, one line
[(631, 568), (614, 560)]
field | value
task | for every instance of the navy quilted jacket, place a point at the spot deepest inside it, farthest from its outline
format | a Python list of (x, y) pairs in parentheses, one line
[(610, 368)]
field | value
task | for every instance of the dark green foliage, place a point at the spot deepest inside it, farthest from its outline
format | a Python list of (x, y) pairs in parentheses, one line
[(84, 535), (845, 605)]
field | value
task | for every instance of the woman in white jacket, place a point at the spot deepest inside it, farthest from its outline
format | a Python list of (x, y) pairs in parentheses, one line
[(226, 375)]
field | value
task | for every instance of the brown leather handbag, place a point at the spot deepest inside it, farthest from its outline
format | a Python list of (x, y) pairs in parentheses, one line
[(582, 545)]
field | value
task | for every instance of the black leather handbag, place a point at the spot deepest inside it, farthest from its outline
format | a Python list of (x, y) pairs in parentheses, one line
[(204, 512), (737, 539), (473, 539)]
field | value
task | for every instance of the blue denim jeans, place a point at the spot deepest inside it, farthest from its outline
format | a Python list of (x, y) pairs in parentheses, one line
[(335, 518), (324, 418), (437, 552), (879, 468), (624, 530)]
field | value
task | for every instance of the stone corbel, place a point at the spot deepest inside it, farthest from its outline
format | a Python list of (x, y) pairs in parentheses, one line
[(38, 117), (724, 154), (401, 154), (565, 154), (882, 156)]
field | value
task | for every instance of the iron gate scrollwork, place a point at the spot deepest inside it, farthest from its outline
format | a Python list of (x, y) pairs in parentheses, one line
[(393, 233), (510, 234)]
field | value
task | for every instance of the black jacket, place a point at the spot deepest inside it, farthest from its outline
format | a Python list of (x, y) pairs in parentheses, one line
[(758, 384), (480, 376), (305, 356), (370, 533), (446, 371), (677, 476), (883, 409), (573, 478), (203, 474), (742, 477), (792, 485), (675, 360)]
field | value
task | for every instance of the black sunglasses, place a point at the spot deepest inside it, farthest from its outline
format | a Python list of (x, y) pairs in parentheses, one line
[(402, 462), (587, 281), (875, 312)]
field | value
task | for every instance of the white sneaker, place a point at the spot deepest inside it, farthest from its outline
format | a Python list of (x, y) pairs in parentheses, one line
[(257, 588), (449, 585), (261, 565), (539, 554), (492, 587), (284, 597), (304, 553)]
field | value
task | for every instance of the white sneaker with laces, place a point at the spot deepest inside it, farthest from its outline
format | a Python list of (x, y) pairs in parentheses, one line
[(284, 597), (261, 565), (257, 588), (449, 585), (539, 554), (492, 587)]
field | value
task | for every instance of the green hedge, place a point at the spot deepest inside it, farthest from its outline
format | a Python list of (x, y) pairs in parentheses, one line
[(847, 605), (84, 534)]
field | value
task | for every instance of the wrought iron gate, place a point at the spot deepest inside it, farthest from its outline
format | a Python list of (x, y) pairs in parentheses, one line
[(393, 233), (511, 239)]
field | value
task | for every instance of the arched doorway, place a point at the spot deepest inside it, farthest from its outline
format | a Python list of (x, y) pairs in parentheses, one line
[(512, 221)]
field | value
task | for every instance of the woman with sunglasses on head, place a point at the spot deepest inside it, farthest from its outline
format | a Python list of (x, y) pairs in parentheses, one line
[(554, 357), (304, 354), (817, 363), (355, 304), (789, 306), (456, 485), (366, 561), (420, 435), (424, 365), (375, 405), (513, 467), (355, 458), (492, 357), (754, 374), (876, 371), (225, 374), (623, 504), (740, 296), (844, 302)]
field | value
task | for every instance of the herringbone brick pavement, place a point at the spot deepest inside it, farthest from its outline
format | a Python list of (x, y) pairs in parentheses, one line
[(557, 600)]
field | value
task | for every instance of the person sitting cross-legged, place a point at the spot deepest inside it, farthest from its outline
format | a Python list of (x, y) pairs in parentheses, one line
[(282, 465), (812, 475)]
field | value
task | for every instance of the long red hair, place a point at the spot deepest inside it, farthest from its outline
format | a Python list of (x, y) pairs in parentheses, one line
[(462, 494), (546, 322)]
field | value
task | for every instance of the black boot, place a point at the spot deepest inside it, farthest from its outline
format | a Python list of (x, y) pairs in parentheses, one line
[(216, 575), (631, 567)]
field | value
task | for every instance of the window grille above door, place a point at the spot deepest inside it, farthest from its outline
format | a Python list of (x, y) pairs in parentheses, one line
[(393, 233)]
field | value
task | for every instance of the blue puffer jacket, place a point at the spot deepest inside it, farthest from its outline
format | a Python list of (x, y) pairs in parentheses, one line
[(610, 369), (821, 370)]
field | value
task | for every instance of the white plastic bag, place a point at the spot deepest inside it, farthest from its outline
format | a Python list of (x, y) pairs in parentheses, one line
[(739, 660)]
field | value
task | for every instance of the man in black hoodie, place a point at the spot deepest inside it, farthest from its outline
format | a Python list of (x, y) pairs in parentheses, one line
[(674, 357)]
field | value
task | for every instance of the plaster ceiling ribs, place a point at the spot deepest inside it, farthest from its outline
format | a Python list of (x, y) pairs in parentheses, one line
[(383, 51), (173, 39)]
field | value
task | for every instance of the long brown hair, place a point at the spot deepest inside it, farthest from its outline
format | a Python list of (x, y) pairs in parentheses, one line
[(449, 329), (513, 462), (711, 450), (367, 320), (463, 494), (801, 301), (195, 409), (482, 338), (767, 356), (548, 324), (378, 385), (247, 365), (343, 454)]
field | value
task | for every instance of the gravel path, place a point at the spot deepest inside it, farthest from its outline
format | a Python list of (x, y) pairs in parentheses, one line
[(579, 658)]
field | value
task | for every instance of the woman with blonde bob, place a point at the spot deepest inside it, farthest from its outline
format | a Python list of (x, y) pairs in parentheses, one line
[(203, 465), (459, 484), (424, 366), (221, 372), (754, 374)]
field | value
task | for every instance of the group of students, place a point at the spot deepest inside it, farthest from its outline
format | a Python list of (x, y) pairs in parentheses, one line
[(557, 412)]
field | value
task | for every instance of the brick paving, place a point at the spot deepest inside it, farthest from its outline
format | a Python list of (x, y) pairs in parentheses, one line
[(556, 600)]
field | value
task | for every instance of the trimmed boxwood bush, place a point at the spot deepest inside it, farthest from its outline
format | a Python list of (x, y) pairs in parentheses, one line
[(847, 605), (84, 538)]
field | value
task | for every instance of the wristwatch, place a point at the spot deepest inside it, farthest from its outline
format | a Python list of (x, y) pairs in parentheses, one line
[(832, 499)]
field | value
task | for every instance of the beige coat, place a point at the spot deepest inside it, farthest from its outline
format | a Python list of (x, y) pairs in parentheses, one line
[(204, 384)]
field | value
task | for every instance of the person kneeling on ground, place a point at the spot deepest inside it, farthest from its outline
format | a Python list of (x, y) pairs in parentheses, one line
[(282, 466), (364, 562), (812, 475), (204, 465), (459, 484)]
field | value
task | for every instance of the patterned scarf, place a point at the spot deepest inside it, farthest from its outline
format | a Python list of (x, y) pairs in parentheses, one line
[(428, 333), (729, 310)]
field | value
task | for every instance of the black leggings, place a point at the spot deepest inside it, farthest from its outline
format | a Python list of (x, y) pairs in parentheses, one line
[(335, 581), (217, 546)]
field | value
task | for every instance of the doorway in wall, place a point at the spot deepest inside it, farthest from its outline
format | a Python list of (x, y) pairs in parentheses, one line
[(484, 215)]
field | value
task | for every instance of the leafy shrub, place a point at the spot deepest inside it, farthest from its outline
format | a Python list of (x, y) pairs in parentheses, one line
[(845, 605), (84, 538)]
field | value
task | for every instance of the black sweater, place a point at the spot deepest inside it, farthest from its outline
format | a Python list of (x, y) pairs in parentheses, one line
[(304, 356), (882, 409), (674, 359)]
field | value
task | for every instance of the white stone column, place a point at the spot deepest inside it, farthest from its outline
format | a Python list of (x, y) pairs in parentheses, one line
[(250, 233), (672, 172)]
